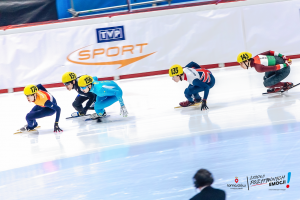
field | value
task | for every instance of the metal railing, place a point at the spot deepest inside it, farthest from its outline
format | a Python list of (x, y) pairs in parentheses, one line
[(128, 6)]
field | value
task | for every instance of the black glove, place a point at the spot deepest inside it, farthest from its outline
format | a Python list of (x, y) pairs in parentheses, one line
[(204, 106), (56, 128)]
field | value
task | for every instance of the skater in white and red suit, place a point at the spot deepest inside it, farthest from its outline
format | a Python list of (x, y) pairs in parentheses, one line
[(200, 80)]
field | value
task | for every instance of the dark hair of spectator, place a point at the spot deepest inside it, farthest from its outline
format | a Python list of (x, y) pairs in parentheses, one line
[(202, 178)]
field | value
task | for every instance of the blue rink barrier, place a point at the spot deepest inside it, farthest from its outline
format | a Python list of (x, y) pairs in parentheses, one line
[(86, 5)]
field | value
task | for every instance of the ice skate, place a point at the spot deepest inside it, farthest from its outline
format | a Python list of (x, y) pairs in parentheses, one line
[(287, 86), (24, 129), (186, 103), (198, 100), (96, 116), (76, 114), (273, 90)]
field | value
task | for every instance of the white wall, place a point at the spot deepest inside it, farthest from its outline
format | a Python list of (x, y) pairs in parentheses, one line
[(206, 34)]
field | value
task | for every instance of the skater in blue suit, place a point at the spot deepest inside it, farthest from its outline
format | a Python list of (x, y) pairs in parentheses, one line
[(108, 92), (200, 80)]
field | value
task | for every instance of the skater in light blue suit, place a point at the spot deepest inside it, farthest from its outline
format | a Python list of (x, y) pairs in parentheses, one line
[(108, 92)]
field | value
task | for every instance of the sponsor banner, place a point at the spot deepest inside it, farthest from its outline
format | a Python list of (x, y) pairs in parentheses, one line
[(148, 44), (121, 48), (277, 182)]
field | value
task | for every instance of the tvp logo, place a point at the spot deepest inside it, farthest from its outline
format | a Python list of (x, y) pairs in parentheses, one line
[(110, 34)]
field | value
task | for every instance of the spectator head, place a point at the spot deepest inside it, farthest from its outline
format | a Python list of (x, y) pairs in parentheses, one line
[(202, 178)]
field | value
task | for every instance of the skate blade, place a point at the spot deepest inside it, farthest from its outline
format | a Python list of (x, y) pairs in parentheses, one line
[(78, 116), (281, 92), (272, 94), (34, 130), (27, 131), (90, 119), (195, 105)]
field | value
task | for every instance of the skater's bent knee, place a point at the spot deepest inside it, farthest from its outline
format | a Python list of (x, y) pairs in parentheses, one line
[(29, 116), (187, 91), (75, 104)]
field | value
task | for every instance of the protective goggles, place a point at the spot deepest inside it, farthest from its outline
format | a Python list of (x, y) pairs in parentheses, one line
[(68, 83), (83, 88), (29, 95)]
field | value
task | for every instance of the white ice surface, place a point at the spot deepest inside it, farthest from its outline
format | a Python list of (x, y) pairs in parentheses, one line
[(235, 103)]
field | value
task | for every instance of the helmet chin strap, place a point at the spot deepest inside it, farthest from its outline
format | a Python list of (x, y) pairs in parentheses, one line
[(180, 77), (246, 64), (74, 83), (34, 97)]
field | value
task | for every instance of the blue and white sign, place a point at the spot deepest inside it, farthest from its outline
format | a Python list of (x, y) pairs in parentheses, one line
[(110, 34)]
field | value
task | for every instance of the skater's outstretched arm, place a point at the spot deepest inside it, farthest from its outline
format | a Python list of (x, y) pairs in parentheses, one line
[(41, 87), (92, 98), (110, 91), (113, 92), (49, 104), (193, 65), (273, 53), (55, 107)]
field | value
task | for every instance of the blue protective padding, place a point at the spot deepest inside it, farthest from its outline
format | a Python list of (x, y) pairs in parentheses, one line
[(62, 8), (80, 5)]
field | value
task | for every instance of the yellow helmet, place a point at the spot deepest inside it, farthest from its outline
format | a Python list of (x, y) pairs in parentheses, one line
[(30, 90), (175, 70), (85, 80), (243, 57), (68, 76)]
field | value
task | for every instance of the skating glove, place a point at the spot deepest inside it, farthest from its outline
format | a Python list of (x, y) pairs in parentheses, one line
[(56, 128), (204, 106), (123, 111), (288, 62)]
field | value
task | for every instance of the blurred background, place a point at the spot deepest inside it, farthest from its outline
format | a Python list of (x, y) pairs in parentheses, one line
[(16, 12)]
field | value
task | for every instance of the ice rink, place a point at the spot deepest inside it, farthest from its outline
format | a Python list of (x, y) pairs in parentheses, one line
[(154, 153)]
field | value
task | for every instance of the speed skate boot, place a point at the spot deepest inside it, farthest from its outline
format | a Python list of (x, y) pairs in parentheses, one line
[(273, 90), (287, 86), (96, 115), (198, 100), (25, 129), (76, 114), (186, 103)]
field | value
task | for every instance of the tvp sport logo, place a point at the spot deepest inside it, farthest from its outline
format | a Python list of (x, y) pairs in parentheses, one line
[(110, 34), (117, 52)]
